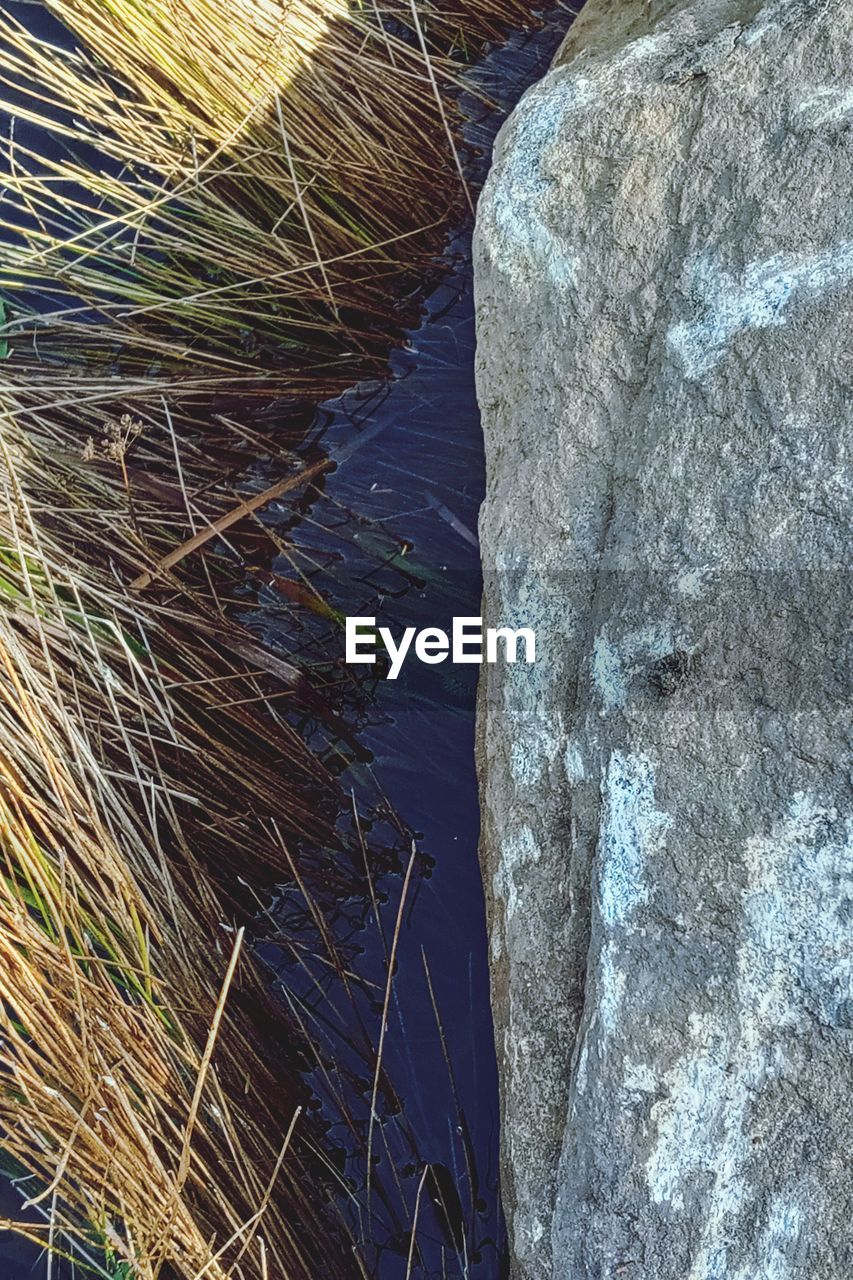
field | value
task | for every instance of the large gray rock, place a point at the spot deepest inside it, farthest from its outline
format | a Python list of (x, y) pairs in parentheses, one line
[(664, 271)]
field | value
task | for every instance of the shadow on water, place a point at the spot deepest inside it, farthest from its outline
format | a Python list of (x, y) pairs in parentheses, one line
[(392, 535), (391, 532)]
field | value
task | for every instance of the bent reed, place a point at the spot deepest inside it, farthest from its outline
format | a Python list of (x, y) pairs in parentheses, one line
[(211, 209)]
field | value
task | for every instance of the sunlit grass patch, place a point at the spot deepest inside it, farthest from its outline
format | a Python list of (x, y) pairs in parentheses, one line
[(244, 187)]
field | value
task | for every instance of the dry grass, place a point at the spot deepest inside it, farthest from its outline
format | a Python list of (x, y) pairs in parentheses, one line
[(247, 191), (131, 796), (272, 180)]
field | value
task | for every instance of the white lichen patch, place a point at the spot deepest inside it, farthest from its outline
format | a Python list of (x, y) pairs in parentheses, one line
[(610, 988), (608, 673), (632, 830), (825, 106), (581, 1074), (686, 1118), (777, 1254), (573, 763), (794, 967), (527, 1231), (631, 834), (518, 851), (511, 217), (798, 948), (616, 662), (691, 583), (639, 1078), (764, 25), (511, 212), (758, 298)]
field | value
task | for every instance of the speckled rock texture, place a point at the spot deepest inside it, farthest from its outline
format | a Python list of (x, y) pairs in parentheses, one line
[(664, 274)]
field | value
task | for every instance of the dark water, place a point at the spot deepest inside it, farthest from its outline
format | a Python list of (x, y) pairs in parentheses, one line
[(392, 534)]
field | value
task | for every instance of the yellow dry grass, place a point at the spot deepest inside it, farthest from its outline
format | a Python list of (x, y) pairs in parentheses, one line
[(229, 196), (275, 178), (128, 1082)]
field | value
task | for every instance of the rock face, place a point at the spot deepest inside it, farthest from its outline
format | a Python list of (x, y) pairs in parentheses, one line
[(664, 271)]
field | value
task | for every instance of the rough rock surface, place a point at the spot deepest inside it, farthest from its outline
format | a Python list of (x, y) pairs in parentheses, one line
[(664, 273)]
